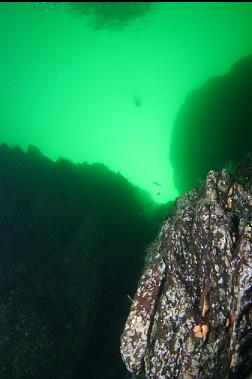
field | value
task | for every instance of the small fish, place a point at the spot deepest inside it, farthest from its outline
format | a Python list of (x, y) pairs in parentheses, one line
[(137, 101), (157, 184)]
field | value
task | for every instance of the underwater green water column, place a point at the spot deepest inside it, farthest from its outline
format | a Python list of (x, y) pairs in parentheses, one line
[(90, 92)]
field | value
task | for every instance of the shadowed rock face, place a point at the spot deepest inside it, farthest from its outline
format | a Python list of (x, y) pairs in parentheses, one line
[(191, 315), (70, 238), (213, 127)]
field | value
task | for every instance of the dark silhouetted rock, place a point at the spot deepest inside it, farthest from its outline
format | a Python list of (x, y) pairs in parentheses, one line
[(192, 313), (71, 247), (213, 128)]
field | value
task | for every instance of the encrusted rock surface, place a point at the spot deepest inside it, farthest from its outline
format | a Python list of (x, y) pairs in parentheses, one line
[(192, 314)]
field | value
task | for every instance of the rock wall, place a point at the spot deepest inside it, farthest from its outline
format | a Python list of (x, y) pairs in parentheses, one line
[(191, 315), (212, 129), (71, 238)]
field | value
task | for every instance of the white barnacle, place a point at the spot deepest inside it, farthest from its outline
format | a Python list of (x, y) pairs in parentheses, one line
[(162, 267)]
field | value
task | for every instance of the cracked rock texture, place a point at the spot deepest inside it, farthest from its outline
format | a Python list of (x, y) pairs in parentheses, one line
[(192, 313)]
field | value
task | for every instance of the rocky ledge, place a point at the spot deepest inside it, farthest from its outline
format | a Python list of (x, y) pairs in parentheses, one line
[(192, 313)]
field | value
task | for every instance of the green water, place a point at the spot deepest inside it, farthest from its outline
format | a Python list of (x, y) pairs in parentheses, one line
[(107, 88)]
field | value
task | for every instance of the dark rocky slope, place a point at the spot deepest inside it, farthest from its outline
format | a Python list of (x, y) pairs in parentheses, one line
[(213, 129), (192, 313), (71, 238)]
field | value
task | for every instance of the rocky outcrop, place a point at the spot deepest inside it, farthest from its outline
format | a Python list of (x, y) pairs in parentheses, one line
[(212, 129), (191, 315), (70, 238)]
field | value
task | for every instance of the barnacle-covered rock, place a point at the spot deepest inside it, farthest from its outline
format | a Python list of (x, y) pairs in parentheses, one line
[(192, 313)]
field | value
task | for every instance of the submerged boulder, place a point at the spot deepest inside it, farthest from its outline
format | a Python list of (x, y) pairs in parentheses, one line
[(191, 315)]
